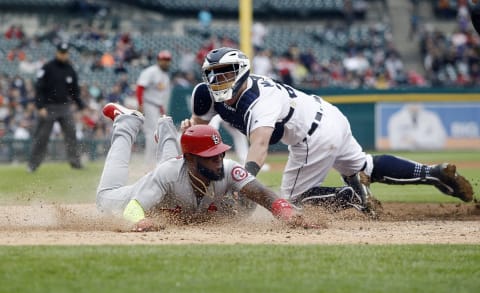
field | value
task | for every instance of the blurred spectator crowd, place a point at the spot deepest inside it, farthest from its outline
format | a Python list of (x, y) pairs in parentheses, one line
[(345, 55)]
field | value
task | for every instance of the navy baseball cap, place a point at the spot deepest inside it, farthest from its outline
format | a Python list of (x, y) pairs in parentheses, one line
[(63, 47)]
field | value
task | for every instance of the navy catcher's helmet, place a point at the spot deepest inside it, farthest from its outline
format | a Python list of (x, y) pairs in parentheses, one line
[(224, 71)]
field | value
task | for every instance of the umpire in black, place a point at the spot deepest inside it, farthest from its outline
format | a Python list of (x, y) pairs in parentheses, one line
[(56, 89)]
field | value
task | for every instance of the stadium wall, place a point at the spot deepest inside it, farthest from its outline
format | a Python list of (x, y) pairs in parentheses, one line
[(367, 111)]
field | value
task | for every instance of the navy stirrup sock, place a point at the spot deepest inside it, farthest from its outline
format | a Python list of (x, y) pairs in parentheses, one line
[(395, 167)]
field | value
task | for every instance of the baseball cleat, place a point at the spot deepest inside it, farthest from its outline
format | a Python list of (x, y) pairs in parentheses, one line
[(112, 110), (344, 197), (448, 181), (349, 197)]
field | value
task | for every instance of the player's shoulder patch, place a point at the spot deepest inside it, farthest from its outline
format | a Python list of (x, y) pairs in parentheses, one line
[(239, 173), (202, 101)]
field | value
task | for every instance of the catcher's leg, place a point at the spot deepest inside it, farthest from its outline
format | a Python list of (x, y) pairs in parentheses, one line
[(394, 170), (336, 198)]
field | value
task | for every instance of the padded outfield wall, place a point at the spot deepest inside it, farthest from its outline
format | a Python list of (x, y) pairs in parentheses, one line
[(371, 115)]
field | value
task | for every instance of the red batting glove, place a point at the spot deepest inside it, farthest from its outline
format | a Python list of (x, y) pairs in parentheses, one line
[(282, 210), (285, 211)]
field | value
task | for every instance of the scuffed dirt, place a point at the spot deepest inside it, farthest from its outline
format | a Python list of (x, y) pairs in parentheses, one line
[(400, 223)]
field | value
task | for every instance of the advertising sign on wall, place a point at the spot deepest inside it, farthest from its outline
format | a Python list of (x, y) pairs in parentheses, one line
[(427, 126)]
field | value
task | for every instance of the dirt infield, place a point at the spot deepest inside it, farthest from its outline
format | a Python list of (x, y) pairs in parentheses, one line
[(80, 224)]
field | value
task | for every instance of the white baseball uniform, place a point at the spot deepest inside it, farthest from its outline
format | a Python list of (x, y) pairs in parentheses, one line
[(318, 135), (168, 186), (156, 102)]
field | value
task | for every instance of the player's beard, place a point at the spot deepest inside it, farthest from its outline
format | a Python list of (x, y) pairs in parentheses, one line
[(209, 174), (165, 67)]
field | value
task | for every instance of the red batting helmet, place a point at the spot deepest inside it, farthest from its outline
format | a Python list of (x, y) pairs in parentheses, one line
[(203, 141), (164, 55)]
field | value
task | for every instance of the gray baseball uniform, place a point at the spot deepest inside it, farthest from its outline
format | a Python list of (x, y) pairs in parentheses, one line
[(168, 186), (156, 102)]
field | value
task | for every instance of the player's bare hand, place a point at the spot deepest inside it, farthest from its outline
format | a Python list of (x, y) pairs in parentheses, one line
[(186, 123), (145, 225)]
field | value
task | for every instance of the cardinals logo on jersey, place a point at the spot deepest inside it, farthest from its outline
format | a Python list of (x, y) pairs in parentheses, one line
[(239, 173)]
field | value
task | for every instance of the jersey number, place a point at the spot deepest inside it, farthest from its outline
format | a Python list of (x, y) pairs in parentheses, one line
[(289, 89), (279, 85)]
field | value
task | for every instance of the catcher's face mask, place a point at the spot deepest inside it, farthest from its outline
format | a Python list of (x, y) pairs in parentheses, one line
[(224, 71)]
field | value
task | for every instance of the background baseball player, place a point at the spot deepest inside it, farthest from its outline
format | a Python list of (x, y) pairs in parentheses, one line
[(196, 184), (153, 94), (317, 133)]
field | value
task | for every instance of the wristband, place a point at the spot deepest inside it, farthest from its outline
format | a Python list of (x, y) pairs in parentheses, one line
[(282, 209), (252, 167), (134, 212)]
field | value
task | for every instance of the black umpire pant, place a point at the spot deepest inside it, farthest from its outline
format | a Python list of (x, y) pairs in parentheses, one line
[(63, 114)]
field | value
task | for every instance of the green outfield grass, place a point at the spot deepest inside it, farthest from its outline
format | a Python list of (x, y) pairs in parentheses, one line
[(241, 268), (231, 268), (51, 182)]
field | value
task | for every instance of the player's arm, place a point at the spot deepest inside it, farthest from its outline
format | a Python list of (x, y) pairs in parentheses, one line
[(75, 91), (197, 120), (202, 107), (139, 93), (279, 207), (194, 120), (41, 91), (258, 151), (143, 82)]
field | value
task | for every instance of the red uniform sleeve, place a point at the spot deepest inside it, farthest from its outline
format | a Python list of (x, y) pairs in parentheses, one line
[(140, 95)]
